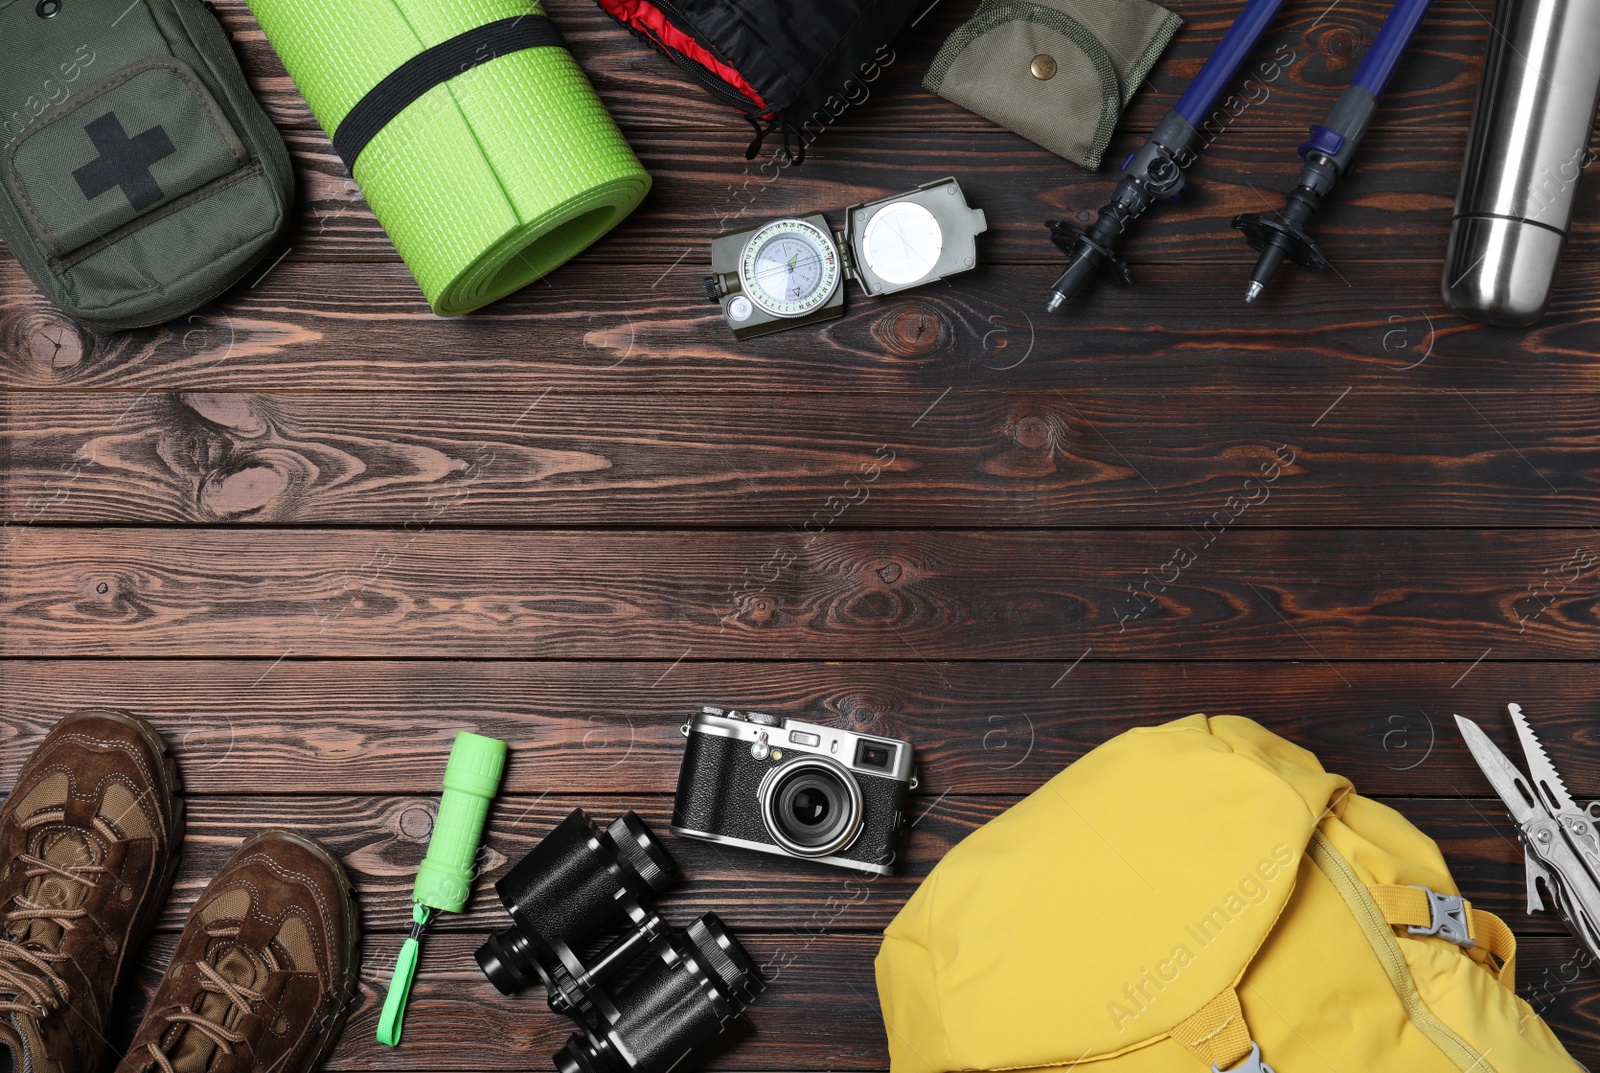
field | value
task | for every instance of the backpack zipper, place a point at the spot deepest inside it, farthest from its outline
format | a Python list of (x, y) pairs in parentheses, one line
[(1372, 923)]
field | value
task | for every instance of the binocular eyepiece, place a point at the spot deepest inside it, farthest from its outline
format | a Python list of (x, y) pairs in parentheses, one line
[(578, 885), (682, 1004), (574, 886)]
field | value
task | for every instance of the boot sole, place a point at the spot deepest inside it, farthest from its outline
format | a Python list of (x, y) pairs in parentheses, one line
[(349, 982)]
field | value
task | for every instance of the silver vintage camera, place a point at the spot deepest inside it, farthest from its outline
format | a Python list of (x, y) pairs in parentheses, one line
[(793, 789)]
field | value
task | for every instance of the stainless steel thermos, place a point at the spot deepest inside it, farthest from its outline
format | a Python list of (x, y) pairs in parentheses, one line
[(1528, 146)]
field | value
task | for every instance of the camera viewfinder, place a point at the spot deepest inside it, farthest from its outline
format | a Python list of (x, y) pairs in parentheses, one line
[(874, 754)]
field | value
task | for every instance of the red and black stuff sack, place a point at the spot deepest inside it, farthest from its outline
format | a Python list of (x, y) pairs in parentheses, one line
[(789, 67)]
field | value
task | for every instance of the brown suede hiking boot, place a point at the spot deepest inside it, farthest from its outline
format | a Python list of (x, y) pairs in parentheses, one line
[(265, 970), (87, 841)]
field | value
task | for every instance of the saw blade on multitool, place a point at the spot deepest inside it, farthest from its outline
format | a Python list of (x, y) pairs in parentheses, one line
[(1577, 826), (1540, 770)]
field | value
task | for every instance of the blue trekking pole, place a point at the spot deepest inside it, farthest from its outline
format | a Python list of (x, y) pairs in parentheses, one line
[(1328, 155), (1156, 170)]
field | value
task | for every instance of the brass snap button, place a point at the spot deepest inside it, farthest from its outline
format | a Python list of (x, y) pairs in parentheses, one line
[(1043, 67)]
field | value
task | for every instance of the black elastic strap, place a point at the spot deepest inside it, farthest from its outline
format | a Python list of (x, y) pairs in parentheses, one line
[(401, 88)]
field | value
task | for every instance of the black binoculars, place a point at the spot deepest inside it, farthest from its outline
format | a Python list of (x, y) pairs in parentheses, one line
[(582, 883)]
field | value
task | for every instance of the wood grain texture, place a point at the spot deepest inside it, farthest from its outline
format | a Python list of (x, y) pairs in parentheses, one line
[(382, 838), (1396, 206), (1014, 459), (1432, 89), (550, 594), (300, 726), (572, 518), (586, 328), (820, 979)]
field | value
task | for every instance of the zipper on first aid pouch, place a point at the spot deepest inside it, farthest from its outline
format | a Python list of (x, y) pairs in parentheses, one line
[(1372, 923)]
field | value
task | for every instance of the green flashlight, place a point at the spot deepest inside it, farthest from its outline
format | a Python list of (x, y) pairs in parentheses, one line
[(444, 879)]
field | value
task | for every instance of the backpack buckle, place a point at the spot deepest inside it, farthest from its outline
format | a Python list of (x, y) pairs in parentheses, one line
[(1251, 1064), (1449, 918)]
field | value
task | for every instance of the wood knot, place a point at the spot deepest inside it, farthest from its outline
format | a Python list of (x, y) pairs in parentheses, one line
[(756, 609), (109, 599), (416, 823), (242, 492), (889, 573), (50, 341), (1031, 432), (1031, 446), (235, 412), (1340, 42), (866, 714), (914, 329)]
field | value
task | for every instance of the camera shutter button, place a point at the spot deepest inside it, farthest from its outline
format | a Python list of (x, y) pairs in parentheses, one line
[(760, 750)]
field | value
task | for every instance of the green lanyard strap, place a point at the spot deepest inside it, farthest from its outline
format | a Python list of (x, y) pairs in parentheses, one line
[(405, 969)]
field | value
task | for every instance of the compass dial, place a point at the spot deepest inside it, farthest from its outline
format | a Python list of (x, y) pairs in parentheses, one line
[(789, 268)]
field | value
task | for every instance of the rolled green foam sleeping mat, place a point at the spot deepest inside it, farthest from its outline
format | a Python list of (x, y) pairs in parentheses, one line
[(490, 178)]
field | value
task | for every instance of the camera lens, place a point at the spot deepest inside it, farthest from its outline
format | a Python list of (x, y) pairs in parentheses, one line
[(577, 883), (811, 806), (679, 1004), (809, 803)]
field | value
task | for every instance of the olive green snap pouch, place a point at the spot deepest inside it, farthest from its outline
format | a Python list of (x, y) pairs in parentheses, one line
[(1057, 72), (138, 178)]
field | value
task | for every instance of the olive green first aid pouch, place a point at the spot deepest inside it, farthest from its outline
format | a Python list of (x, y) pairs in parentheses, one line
[(1057, 72), (138, 177)]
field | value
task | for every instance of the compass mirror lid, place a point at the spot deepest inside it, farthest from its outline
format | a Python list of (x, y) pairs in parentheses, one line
[(914, 238)]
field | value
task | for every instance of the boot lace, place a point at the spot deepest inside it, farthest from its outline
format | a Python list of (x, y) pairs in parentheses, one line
[(239, 997), (29, 982)]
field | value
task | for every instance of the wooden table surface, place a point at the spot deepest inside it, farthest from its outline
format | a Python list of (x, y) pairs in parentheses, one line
[(312, 531)]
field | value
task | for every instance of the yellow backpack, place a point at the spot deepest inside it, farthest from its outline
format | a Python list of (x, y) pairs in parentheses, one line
[(1202, 895)]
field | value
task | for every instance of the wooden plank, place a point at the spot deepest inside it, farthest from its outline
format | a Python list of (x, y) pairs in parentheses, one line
[(457, 1020), (1431, 90), (300, 726), (382, 838), (589, 327), (821, 980), (1397, 205), (618, 594), (1018, 459)]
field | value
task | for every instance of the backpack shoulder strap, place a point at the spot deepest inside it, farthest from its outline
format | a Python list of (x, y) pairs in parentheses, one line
[(1217, 1035), (1425, 912)]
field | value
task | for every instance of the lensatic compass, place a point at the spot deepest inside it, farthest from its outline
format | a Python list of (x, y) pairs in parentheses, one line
[(791, 272)]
